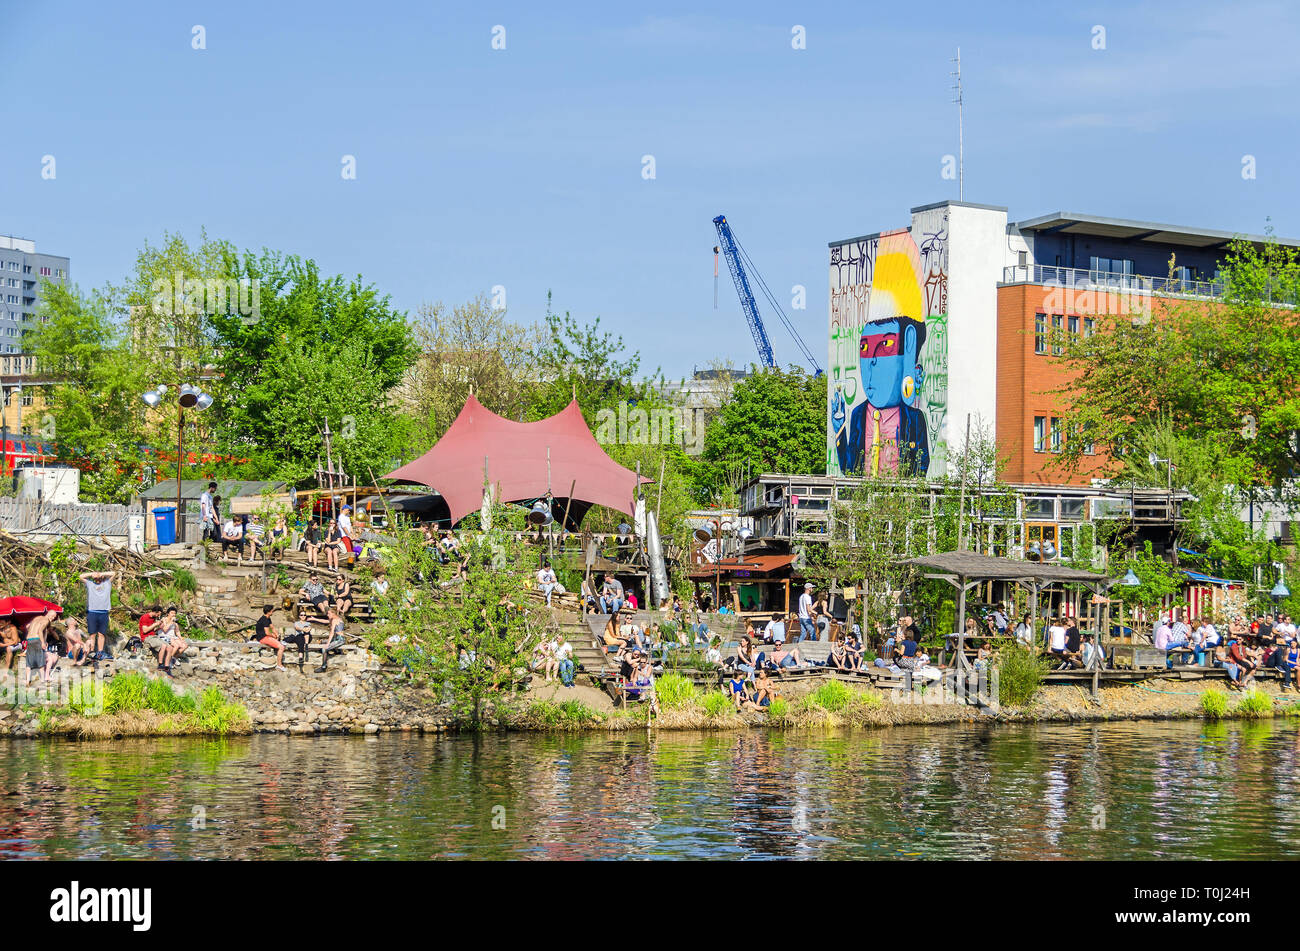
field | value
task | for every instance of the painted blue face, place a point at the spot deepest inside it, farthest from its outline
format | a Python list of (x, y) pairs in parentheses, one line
[(886, 359)]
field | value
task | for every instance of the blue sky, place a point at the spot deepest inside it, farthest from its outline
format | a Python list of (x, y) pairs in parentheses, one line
[(522, 167)]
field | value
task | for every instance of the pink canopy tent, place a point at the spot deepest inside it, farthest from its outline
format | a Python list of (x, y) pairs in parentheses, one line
[(515, 455)]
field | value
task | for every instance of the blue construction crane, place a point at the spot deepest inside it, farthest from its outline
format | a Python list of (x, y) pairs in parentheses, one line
[(730, 247)]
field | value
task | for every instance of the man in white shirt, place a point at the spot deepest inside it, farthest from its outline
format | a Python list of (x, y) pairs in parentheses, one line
[(806, 628), (1056, 638), (211, 528), (345, 528), (775, 630), (547, 582), (563, 652)]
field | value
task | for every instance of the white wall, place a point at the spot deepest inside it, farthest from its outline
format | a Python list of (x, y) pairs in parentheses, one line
[(978, 249)]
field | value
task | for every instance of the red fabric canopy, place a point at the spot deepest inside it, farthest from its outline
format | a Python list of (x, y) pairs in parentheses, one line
[(516, 461)]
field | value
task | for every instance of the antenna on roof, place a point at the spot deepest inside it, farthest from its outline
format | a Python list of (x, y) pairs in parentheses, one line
[(961, 157)]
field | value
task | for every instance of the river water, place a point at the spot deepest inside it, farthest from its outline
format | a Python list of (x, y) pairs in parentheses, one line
[(1120, 791)]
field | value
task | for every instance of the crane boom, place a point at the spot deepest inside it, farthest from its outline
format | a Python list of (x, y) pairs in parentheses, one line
[(747, 304), (734, 253)]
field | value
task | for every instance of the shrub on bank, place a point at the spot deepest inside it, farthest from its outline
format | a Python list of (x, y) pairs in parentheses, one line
[(1254, 704), (675, 692), (1020, 674), (1214, 704), (716, 703), (126, 692), (560, 715), (832, 696)]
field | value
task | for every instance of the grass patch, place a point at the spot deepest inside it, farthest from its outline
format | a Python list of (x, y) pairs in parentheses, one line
[(1020, 674), (779, 709), (183, 580), (86, 697), (716, 703), (832, 696), (1254, 704), (215, 714), (126, 692), (559, 715), (162, 698), (1214, 704), (675, 692)]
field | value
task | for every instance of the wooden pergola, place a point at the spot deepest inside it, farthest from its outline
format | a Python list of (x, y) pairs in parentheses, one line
[(965, 570)]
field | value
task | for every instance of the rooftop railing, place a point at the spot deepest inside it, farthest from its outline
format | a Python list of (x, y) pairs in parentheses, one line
[(1109, 281)]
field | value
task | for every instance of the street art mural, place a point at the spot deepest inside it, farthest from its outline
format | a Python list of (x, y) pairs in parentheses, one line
[(888, 361)]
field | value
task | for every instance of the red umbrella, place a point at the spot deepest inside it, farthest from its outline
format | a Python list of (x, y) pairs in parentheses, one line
[(20, 605)]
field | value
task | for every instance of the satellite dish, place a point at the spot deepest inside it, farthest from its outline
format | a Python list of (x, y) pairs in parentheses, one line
[(704, 533), (745, 534), (1049, 551), (1153, 459), (1034, 551)]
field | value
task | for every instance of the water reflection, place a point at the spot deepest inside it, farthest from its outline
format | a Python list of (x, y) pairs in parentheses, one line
[(1180, 790)]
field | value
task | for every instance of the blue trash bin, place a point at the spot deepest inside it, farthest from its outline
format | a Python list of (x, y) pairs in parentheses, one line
[(164, 520)]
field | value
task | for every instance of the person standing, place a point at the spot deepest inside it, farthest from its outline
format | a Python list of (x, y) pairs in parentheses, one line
[(36, 641), (806, 628), (208, 513), (99, 601), (345, 531)]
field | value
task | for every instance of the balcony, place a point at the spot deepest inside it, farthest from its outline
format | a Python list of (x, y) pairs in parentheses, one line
[(1085, 279)]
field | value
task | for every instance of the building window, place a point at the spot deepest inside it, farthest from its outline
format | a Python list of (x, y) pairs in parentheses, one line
[(1056, 434), (1089, 326), (27, 397), (1074, 329), (1072, 508), (1022, 258), (1040, 333), (45, 272), (1040, 506), (1058, 328), (1040, 434), (1110, 265)]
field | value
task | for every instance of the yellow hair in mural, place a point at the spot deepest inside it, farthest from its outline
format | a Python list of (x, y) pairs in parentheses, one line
[(896, 279)]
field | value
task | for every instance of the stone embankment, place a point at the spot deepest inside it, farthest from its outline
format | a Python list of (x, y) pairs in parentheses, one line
[(354, 695)]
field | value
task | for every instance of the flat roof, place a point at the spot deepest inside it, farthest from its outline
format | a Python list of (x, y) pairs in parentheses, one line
[(1062, 222)]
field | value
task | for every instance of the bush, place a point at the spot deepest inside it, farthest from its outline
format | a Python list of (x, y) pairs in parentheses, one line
[(162, 698), (1214, 704), (1254, 704), (126, 692), (675, 692), (214, 714), (832, 696), (183, 580), (779, 709), (716, 703), (561, 715), (86, 697), (1020, 674)]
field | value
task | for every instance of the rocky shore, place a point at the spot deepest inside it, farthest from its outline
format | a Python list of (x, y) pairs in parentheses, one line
[(357, 695)]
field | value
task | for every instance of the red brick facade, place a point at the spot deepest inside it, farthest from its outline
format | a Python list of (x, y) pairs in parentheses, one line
[(1027, 381)]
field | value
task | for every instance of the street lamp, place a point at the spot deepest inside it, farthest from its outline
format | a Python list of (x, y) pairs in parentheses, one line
[(1130, 580), (1280, 591), (189, 397)]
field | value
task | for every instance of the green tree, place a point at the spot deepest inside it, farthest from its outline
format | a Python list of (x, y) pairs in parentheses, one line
[(775, 421), (469, 348), (1221, 371), (473, 640), (95, 417), (586, 362)]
